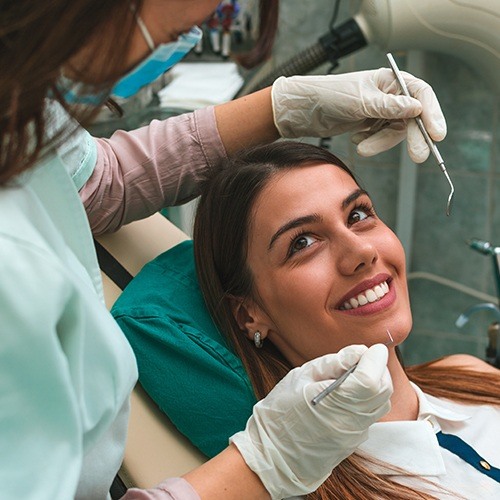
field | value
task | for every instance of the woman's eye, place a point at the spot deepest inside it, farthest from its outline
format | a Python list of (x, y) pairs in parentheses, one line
[(300, 243), (359, 214)]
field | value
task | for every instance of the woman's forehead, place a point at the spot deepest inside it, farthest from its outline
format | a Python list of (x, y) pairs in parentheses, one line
[(305, 183), (297, 193)]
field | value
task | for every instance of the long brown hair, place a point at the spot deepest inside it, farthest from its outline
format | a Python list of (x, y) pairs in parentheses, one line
[(220, 247), (37, 39)]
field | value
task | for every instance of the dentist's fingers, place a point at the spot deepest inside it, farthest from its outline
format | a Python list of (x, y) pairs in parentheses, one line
[(370, 144), (431, 115), (293, 445), (367, 390), (417, 147), (368, 378), (331, 366), (373, 363)]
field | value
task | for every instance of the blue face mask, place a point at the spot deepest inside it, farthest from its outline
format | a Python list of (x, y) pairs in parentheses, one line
[(161, 59), (79, 93)]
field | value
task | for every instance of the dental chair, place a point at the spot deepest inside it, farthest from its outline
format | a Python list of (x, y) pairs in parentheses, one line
[(155, 449)]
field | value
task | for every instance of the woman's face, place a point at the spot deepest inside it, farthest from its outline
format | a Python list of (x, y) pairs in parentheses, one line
[(327, 271)]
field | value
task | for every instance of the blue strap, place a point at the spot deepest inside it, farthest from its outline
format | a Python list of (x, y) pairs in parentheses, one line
[(468, 454)]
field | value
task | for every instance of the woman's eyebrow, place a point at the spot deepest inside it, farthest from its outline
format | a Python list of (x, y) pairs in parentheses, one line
[(308, 219), (353, 196), (292, 224)]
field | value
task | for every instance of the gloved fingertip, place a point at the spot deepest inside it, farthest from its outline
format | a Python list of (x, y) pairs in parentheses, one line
[(362, 150), (413, 107), (418, 154), (437, 130), (382, 140), (350, 354), (416, 144), (355, 348), (373, 362), (380, 350)]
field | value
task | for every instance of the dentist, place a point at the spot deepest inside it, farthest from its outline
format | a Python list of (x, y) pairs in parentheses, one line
[(66, 370)]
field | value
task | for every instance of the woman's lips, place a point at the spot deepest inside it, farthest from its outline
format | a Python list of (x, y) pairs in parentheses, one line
[(374, 307), (362, 287)]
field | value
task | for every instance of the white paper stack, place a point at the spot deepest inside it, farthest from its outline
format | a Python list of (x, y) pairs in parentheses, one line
[(197, 85)]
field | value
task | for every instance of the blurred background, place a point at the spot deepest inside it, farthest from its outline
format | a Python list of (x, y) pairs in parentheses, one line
[(434, 243), (445, 275)]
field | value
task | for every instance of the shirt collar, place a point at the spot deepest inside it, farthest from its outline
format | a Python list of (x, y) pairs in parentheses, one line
[(411, 445), (430, 406)]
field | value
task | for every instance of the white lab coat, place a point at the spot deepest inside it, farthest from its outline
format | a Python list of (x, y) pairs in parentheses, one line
[(66, 370)]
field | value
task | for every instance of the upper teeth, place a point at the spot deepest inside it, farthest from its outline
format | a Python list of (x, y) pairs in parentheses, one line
[(369, 295)]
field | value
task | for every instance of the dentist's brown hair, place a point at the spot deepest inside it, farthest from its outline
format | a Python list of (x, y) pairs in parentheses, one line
[(40, 37)]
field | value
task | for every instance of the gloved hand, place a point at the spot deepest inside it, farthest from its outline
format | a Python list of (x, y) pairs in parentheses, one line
[(292, 445), (367, 103)]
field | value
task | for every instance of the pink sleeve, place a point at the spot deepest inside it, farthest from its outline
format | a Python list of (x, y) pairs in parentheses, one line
[(139, 172), (170, 489)]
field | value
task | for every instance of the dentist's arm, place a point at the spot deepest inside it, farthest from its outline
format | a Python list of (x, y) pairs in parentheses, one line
[(289, 446), (367, 104), (139, 172), (247, 121), (227, 477)]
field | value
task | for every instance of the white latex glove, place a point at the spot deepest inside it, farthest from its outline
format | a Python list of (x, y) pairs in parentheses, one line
[(367, 103), (292, 445)]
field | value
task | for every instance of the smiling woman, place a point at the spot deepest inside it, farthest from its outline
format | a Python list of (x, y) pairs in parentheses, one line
[(290, 229), (314, 245), (63, 358), (294, 263)]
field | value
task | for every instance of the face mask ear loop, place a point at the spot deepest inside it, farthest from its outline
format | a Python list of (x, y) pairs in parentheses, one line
[(145, 33)]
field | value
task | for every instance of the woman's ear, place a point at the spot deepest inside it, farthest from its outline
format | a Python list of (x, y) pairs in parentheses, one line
[(249, 316)]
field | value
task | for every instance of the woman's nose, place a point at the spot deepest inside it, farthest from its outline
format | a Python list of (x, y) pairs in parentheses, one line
[(355, 253)]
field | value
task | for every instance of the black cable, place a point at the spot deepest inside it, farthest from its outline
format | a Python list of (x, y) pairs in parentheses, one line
[(333, 20), (335, 43)]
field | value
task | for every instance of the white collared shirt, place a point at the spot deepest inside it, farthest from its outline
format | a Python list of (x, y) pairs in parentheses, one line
[(413, 446)]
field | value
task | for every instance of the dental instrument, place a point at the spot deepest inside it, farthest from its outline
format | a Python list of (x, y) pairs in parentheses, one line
[(341, 379), (432, 146)]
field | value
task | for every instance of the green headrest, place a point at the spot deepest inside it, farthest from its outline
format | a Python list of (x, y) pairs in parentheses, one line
[(185, 364)]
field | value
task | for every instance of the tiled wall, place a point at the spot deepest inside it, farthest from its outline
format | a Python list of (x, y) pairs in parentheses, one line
[(471, 151)]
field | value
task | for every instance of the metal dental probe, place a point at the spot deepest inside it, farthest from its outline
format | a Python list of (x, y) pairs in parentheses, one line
[(341, 379), (420, 123)]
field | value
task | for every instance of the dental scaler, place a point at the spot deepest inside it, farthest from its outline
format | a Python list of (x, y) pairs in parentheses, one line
[(432, 146)]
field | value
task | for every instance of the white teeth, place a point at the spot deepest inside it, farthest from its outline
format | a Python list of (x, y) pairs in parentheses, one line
[(368, 296), (362, 300)]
